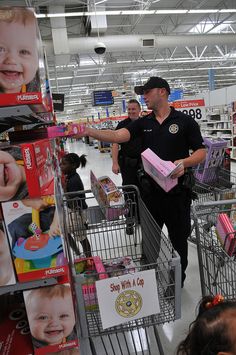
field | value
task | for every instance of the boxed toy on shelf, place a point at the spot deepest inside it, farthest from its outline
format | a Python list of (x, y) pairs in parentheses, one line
[(22, 78), (36, 245), (109, 197), (7, 273), (51, 317), (26, 170), (160, 170)]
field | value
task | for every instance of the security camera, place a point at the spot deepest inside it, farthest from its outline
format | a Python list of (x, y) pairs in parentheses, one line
[(100, 48)]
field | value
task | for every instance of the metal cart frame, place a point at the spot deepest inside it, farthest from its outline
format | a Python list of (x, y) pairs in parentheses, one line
[(217, 268), (149, 249)]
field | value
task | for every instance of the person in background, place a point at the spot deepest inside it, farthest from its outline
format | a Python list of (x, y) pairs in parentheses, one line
[(171, 135), (126, 156), (19, 62), (76, 202), (214, 330)]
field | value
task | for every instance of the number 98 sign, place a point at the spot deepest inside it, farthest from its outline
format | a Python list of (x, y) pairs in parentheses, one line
[(194, 108)]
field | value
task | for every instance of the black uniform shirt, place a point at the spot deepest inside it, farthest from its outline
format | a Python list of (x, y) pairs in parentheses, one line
[(170, 140), (73, 184), (134, 147)]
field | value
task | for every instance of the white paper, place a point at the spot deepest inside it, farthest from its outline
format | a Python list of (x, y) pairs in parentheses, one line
[(127, 297)]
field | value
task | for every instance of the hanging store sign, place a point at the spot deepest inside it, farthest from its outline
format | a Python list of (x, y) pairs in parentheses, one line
[(128, 297), (194, 108), (58, 101)]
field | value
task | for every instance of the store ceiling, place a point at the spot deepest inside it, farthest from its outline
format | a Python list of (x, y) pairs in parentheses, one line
[(180, 47)]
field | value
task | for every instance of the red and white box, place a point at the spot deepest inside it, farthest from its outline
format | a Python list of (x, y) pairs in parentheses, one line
[(52, 319), (38, 167), (226, 233), (160, 170), (36, 245)]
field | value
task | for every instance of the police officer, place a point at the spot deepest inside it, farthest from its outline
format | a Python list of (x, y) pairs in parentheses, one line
[(171, 135)]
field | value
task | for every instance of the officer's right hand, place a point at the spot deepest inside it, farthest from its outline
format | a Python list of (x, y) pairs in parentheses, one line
[(115, 168)]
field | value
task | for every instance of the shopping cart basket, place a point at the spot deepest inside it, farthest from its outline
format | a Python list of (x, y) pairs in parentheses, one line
[(217, 267), (148, 248)]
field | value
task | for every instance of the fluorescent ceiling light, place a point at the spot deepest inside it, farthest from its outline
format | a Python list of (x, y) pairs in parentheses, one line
[(100, 2), (135, 12)]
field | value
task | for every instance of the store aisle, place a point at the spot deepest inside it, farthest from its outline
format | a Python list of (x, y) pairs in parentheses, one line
[(171, 333)]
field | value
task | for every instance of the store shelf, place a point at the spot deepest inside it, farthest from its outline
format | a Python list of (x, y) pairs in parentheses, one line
[(21, 286)]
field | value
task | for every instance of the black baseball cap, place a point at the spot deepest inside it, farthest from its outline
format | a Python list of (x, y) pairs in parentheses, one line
[(152, 83)]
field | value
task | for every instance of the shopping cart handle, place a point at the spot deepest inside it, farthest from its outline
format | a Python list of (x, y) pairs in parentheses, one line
[(216, 203)]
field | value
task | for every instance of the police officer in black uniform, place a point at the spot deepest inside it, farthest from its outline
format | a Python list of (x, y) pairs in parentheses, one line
[(171, 135)]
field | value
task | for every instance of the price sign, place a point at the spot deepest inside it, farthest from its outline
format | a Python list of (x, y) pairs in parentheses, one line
[(194, 108)]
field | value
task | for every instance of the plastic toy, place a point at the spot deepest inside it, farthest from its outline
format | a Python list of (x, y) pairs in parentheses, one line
[(39, 248)]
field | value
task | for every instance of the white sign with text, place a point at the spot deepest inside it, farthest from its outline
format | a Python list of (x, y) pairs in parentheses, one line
[(194, 108), (127, 297)]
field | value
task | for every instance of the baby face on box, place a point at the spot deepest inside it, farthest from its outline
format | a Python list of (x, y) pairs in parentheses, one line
[(51, 315), (6, 267)]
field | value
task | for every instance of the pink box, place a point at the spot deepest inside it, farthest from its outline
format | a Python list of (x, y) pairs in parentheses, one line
[(226, 233), (65, 130), (160, 170)]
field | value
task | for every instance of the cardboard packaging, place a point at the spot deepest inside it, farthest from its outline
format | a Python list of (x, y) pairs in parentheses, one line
[(36, 254), (14, 328), (19, 86), (68, 130), (226, 233), (109, 198), (160, 170), (27, 170), (7, 272), (53, 329)]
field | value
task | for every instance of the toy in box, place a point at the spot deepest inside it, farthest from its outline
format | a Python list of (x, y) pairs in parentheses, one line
[(36, 253), (22, 78), (109, 198), (15, 335), (226, 233), (26, 170), (7, 273), (159, 170), (120, 266), (51, 317), (91, 269), (65, 130)]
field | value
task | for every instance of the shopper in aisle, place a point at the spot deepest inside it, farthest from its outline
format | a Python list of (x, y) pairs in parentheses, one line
[(19, 60), (69, 163), (214, 330), (170, 134), (126, 160), (51, 315)]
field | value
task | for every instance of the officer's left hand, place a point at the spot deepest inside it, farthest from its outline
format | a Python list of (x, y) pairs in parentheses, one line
[(180, 171)]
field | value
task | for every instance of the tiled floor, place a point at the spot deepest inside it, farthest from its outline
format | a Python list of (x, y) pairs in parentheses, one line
[(170, 333)]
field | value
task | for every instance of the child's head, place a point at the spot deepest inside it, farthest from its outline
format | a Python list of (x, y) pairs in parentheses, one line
[(51, 314), (70, 162), (214, 330), (18, 48)]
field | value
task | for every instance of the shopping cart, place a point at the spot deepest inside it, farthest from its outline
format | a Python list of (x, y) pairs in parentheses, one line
[(217, 267), (148, 248), (219, 184)]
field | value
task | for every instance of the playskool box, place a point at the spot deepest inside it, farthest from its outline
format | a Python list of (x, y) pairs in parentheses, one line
[(23, 79), (160, 170), (53, 329), (34, 238), (109, 198), (7, 272), (26, 170)]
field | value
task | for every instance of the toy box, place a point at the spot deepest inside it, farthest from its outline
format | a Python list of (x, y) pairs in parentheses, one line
[(7, 273), (19, 86), (120, 266), (91, 269), (36, 254), (226, 233), (160, 170), (109, 198), (15, 336), (51, 317), (26, 170), (68, 130)]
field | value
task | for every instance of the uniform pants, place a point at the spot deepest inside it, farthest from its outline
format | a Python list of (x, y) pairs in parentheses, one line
[(173, 210)]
